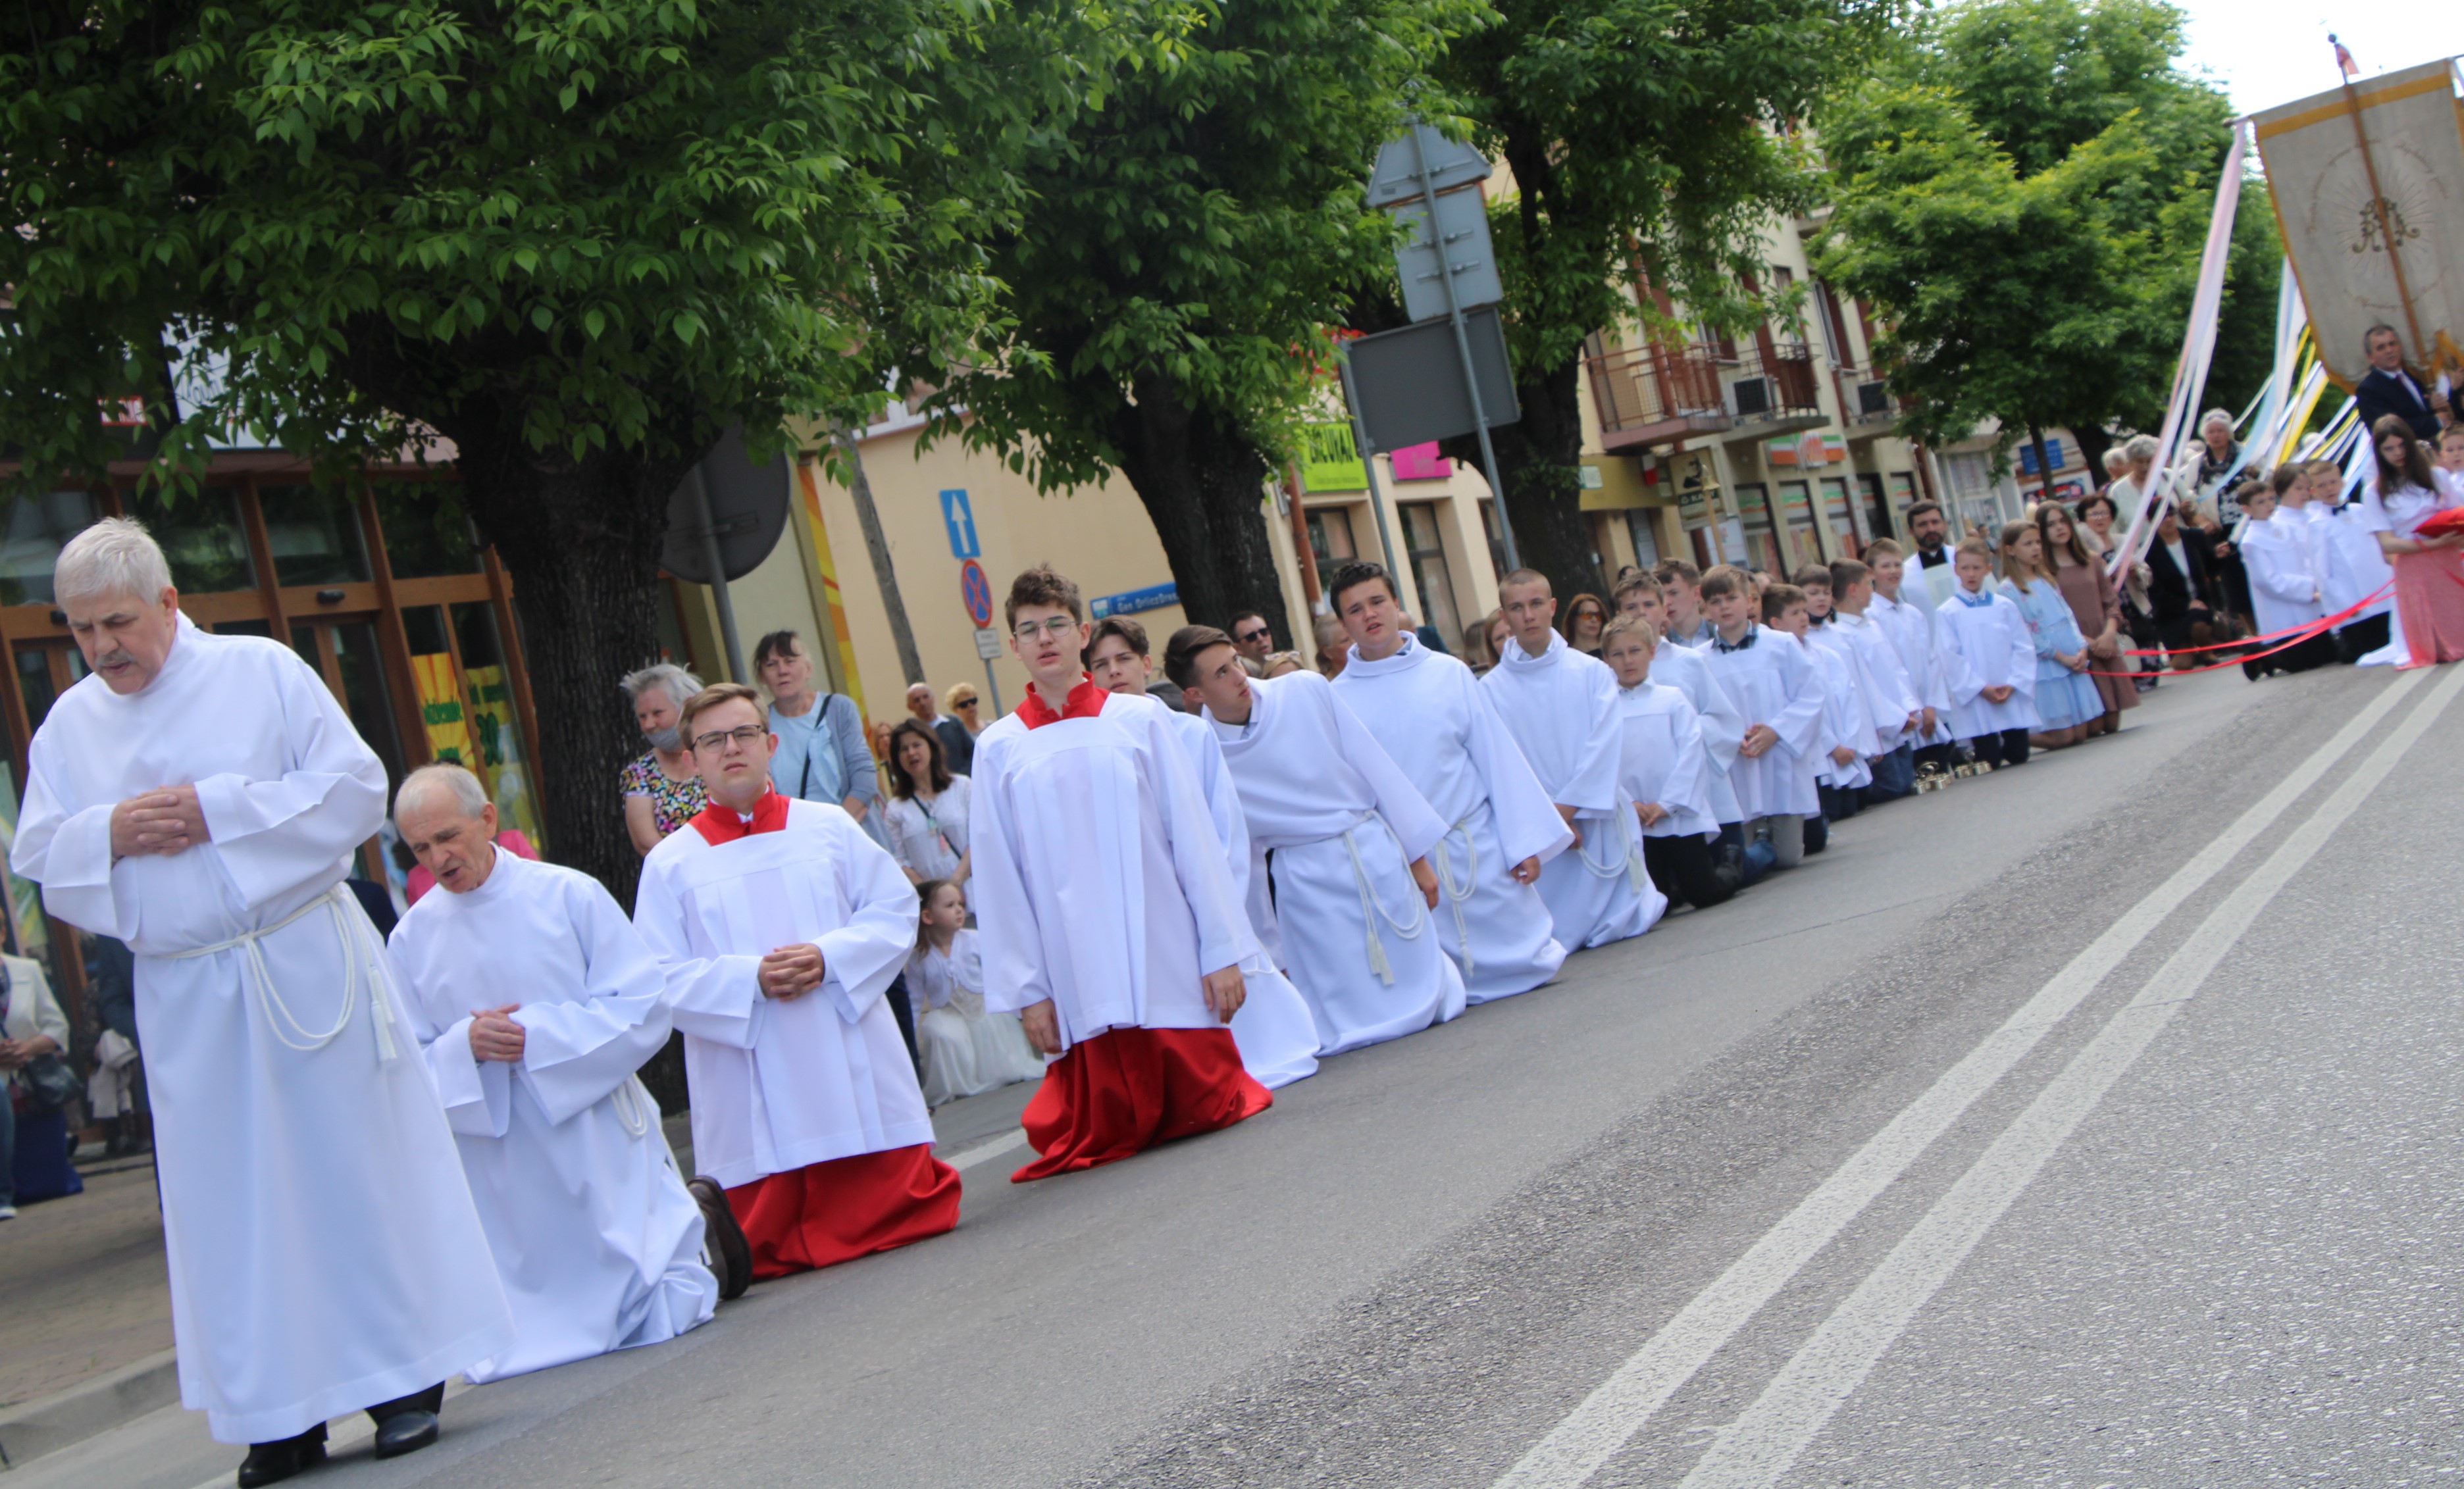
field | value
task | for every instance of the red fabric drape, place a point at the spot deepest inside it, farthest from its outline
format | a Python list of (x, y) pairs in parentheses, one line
[(2429, 599), (828, 1212), (1125, 1090)]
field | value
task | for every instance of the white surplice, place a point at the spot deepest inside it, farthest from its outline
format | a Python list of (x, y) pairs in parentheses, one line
[(596, 1240), (1561, 706), (1660, 759), (1443, 730), (1985, 644), (324, 1254), (1274, 1029), (1845, 723), (1915, 634), (2281, 558), (1100, 883), (1341, 826), (1883, 690), (1773, 680), (2352, 567), (967, 1048), (1716, 718), (783, 1084)]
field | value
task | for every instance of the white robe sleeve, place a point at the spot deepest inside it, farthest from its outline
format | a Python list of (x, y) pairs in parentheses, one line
[(1417, 825), (1013, 964), (2276, 567), (1685, 785), (576, 1052), (478, 1094), (1592, 790), (1722, 723), (68, 852), (1960, 681), (716, 998), (862, 958), (1527, 823), (1199, 863), (278, 835), (1799, 725)]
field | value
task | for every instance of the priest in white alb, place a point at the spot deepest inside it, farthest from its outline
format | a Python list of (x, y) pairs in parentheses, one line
[(1104, 905), (537, 1001), (1348, 836), (780, 924), (201, 798), (1277, 1033), (1561, 706), (1443, 730)]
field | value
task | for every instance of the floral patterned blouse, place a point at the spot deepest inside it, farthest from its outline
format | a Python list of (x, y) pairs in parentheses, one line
[(672, 802)]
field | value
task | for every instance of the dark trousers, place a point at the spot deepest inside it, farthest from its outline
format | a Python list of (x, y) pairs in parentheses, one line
[(1816, 830), (2360, 638), (1683, 865), (1895, 775), (2007, 748), (1940, 757), (900, 1010), (2312, 652), (1838, 802), (1759, 855)]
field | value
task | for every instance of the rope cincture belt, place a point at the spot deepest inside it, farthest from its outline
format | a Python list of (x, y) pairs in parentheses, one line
[(1372, 910), (277, 1014), (1444, 863), (1629, 859), (633, 1104)]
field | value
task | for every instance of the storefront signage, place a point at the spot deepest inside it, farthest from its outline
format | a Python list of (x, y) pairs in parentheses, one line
[(1155, 597), (1812, 449), (1329, 460)]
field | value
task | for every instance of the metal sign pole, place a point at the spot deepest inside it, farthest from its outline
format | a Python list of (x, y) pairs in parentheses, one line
[(717, 577), (992, 684), (1463, 349), (1368, 468)]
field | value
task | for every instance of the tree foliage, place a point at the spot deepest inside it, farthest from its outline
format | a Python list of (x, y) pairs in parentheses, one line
[(1645, 136), (2022, 194), (574, 239), (1167, 296)]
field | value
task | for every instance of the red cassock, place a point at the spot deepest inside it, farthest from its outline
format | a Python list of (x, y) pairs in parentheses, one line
[(1129, 1089), (828, 1212)]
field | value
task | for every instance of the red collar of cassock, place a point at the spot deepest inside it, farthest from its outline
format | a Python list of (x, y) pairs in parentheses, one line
[(1085, 701), (720, 823)]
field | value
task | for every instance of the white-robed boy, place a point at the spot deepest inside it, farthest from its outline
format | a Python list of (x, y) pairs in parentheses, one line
[(1914, 631), (1346, 839), (536, 1001), (1773, 683), (1441, 728), (1662, 767), (1277, 1033), (2280, 554), (1561, 708), (1989, 663), (1105, 909), (1722, 727)]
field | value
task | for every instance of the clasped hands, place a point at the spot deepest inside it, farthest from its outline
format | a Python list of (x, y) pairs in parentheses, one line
[(1758, 741), (166, 821), (791, 972), (494, 1036)]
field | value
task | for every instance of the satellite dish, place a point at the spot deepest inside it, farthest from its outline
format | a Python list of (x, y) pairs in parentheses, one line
[(746, 512)]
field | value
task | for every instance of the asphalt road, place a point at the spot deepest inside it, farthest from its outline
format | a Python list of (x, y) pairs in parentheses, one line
[(2091, 1124)]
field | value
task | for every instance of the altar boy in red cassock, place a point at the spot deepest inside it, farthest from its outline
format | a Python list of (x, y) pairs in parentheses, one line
[(780, 924), (1108, 915)]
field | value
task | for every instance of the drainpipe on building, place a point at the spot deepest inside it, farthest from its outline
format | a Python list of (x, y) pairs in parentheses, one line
[(1301, 548), (884, 574)]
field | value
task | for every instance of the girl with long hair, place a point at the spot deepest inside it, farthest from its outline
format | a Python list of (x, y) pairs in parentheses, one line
[(2429, 571), (1586, 616), (2077, 571), (2066, 698), (965, 1048)]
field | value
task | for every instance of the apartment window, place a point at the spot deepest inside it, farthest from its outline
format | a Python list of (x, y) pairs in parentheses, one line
[(1425, 542), (1329, 531)]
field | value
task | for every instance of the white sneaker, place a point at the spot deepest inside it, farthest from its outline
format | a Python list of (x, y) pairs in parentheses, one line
[(8, 1211)]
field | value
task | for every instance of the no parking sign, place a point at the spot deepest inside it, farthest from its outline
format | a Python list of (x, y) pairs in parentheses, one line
[(976, 591)]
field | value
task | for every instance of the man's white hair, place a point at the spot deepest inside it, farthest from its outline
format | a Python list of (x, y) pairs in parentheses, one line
[(445, 776), (115, 557), (2142, 446)]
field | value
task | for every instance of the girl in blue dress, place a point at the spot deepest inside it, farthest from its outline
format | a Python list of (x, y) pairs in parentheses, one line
[(2066, 697)]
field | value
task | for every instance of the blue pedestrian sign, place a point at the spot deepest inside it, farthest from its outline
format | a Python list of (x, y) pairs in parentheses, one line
[(977, 592), (961, 523)]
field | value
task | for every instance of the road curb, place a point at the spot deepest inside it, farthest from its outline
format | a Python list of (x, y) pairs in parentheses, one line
[(33, 1428)]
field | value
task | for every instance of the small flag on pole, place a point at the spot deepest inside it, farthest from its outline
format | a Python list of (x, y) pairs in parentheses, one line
[(2345, 62)]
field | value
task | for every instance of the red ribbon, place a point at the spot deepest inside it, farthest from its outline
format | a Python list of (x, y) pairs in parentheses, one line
[(2299, 634)]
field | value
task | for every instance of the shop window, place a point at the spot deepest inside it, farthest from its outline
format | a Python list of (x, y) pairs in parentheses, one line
[(1329, 531), (425, 534), (34, 680), (37, 528), (254, 628), (315, 535), (466, 704), (1877, 507), (200, 535), (1423, 540), (1646, 539)]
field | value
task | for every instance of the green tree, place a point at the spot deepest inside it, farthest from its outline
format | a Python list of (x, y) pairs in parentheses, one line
[(574, 239), (1167, 296), (2022, 192), (1647, 137)]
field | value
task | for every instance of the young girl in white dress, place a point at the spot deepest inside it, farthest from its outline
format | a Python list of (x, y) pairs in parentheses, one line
[(967, 1050)]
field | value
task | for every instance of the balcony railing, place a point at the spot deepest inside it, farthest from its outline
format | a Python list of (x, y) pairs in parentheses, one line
[(1649, 394)]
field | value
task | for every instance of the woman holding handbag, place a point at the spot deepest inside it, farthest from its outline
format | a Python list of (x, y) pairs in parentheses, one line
[(38, 1083)]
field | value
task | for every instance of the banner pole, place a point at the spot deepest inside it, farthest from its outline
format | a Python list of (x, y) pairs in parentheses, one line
[(2387, 225)]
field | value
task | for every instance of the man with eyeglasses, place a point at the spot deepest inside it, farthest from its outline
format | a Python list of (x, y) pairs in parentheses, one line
[(1109, 919), (781, 926)]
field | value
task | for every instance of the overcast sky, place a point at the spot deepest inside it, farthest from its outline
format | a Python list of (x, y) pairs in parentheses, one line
[(2271, 52)]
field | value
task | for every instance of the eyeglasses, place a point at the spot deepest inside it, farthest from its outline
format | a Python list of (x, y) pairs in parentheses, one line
[(1059, 627), (745, 738)]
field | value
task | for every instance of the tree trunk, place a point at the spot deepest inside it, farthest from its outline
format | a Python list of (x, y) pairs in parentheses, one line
[(885, 574), (2093, 443), (2044, 463), (1204, 484), (1539, 465)]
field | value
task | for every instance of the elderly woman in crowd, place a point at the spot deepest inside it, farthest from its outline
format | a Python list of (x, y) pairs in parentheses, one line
[(959, 728), (662, 791)]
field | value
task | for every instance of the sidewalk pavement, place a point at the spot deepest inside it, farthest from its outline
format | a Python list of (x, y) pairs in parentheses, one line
[(86, 1299)]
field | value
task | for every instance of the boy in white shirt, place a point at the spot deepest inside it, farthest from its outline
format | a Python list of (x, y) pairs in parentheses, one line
[(1720, 725), (1890, 698), (1680, 585), (1991, 663), (1662, 769), (1775, 684), (1915, 634)]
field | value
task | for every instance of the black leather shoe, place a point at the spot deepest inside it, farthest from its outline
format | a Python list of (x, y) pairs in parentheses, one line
[(273, 1462), (405, 1432), (731, 1255)]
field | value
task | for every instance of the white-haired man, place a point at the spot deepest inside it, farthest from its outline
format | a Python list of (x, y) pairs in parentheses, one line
[(200, 798), (536, 1000)]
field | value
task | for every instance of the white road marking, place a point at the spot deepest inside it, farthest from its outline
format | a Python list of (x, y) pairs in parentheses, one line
[(1610, 1417), (967, 1158), (1761, 1445)]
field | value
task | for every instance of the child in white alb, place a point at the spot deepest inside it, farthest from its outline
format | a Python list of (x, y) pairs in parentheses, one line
[(967, 1050)]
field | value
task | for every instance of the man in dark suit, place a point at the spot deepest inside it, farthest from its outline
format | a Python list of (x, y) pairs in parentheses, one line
[(2181, 587), (2389, 387)]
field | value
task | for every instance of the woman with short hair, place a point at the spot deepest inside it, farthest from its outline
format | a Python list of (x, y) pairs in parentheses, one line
[(662, 790)]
